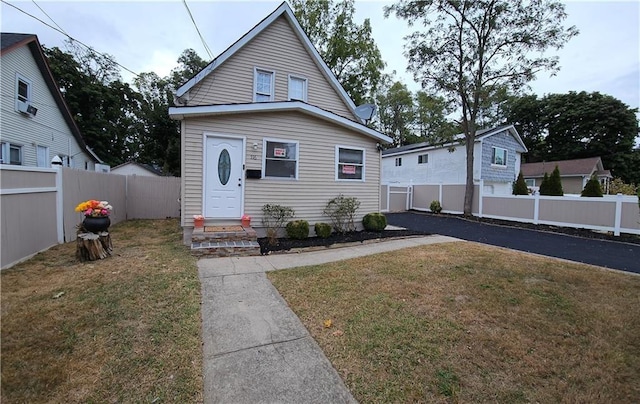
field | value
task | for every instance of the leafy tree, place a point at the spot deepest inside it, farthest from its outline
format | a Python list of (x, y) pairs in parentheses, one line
[(592, 188), (471, 50), (618, 186), (431, 123), (520, 186), (396, 114), (348, 48), (525, 113)]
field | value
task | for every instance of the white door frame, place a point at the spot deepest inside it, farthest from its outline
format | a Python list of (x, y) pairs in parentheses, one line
[(205, 137)]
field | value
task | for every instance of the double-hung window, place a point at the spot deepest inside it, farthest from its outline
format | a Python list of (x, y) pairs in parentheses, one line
[(297, 88), (263, 86), (23, 91), (423, 158), (11, 154), (398, 161), (42, 155), (349, 163), (499, 157), (280, 158)]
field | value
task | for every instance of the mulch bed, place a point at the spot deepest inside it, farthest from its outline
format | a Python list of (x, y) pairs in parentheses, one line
[(286, 244)]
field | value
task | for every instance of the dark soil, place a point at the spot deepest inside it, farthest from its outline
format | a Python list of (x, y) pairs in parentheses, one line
[(286, 244)]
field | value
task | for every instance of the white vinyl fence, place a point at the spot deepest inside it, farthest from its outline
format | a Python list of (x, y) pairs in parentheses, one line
[(613, 213), (37, 204)]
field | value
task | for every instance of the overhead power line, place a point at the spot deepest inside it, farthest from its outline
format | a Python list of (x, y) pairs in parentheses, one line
[(206, 47), (69, 36), (48, 16)]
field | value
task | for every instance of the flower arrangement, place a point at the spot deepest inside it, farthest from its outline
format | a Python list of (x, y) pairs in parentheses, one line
[(198, 217), (93, 208)]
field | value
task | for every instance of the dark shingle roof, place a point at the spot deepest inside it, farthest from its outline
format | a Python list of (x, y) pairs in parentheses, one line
[(9, 39)]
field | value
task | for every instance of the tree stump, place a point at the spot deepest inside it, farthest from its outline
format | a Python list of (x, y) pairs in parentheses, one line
[(93, 246)]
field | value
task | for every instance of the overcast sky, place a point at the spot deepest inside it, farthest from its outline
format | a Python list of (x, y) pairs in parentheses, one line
[(150, 35)]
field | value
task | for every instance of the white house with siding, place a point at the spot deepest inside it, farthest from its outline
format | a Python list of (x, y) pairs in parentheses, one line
[(497, 156), (35, 122), (267, 122)]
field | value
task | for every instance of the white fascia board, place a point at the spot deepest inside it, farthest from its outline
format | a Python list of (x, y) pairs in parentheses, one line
[(286, 10), (211, 110)]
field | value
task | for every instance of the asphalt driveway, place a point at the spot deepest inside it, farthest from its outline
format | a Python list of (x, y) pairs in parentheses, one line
[(609, 254)]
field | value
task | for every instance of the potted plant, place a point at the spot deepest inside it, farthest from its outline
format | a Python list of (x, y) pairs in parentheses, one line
[(246, 221), (96, 215), (198, 221)]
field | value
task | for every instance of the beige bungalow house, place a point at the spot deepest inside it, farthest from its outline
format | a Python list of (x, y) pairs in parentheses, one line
[(267, 122), (573, 173)]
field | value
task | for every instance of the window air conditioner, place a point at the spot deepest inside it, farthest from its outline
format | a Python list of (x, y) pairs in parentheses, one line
[(27, 108)]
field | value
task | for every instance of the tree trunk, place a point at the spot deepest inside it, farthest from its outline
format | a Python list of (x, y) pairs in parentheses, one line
[(468, 191), (92, 246)]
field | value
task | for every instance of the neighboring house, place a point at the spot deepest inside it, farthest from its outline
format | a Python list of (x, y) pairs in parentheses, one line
[(574, 174), (133, 168), (36, 124), (497, 155), (267, 122)]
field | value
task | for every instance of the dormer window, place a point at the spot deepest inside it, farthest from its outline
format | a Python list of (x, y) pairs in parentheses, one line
[(263, 85), (297, 88)]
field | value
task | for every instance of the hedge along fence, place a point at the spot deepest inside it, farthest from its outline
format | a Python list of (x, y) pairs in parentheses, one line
[(614, 213), (37, 204)]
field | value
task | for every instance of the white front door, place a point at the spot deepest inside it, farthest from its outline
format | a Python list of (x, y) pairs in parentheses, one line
[(223, 178)]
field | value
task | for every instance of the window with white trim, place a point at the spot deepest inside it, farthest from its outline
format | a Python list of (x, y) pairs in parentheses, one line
[(349, 163), (531, 182), (499, 157), (42, 154), (23, 93), (11, 154), (263, 86), (297, 88), (423, 158), (398, 161), (280, 159)]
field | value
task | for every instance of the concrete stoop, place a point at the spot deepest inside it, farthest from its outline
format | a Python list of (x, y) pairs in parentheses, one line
[(225, 241)]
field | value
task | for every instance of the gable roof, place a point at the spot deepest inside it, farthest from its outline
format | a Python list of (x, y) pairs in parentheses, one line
[(278, 106), (567, 168), (11, 41), (282, 10), (481, 134)]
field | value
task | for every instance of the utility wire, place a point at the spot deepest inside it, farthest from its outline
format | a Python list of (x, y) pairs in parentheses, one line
[(45, 13), (70, 37), (206, 47)]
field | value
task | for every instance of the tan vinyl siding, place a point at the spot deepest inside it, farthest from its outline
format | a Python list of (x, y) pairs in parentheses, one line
[(277, 48), (316, 182), (48, 128)]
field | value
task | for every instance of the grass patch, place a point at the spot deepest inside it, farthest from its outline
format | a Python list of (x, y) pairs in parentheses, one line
[(465, 322), (123, 329)]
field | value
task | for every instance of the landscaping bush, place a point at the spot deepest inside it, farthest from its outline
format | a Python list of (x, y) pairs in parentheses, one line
[(342, 210), (618, 186), (298, 229), (544, 185), (374, 221), (592, 188), (435, 206), (520, 186), (273, 219), (323, 230)]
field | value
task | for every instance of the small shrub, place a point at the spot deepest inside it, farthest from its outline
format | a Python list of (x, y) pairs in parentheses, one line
[(323, 230), (520, 186), (544, 185), (273, 218), (298, 229), (342, 210), (551, 184), (618, 186), (592, 188), (374, 221), (435, 206)]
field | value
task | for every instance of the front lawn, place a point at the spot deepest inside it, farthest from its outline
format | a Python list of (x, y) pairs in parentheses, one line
[(123, 329), (471, 323)]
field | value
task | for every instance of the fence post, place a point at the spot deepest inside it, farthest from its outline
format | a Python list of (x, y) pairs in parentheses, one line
[(410, 197), (440, 194), (480, 197), (536, 207), (618, 219), (59, 205)]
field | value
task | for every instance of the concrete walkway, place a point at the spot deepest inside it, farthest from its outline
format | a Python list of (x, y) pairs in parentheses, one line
[(256, 350)]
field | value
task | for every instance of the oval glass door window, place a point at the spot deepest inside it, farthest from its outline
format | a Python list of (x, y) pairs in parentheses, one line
[(224, 167)]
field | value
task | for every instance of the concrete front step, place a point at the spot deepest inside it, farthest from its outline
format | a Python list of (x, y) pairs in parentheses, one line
[(225, 241)]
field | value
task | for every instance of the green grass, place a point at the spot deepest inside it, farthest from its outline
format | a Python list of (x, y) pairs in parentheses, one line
[(126, 329), (462, 322)]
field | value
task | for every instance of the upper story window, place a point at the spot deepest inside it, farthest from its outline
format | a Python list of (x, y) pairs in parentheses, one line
[(23, 91), (11, 154), (398, 161), (263, 86), (499, 157), (297, 88), (349, 163), (423, 158), (280, 158)]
